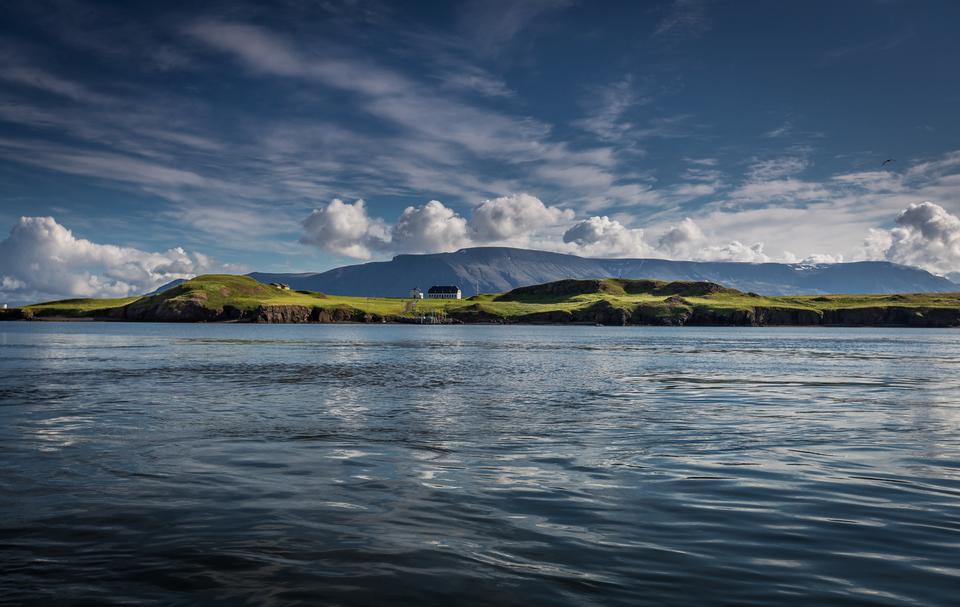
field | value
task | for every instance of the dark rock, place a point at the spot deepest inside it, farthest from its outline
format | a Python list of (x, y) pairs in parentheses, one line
[(172, 310), (893, 316), (785, 316), (474, 314), (602, 312), (549, 317), (337, 314), (283, 314), (661, 314), (708, 316), (15, 314)]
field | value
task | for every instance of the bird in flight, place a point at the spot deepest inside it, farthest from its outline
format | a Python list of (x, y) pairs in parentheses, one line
[(887, 161)]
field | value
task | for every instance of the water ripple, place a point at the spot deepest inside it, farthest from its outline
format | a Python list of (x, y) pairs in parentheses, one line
[(351, 465)]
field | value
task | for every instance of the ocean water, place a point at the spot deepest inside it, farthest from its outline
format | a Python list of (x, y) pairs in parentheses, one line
[(371, 465)]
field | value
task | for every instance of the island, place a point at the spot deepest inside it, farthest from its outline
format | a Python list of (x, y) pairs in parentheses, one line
[(608, 301)]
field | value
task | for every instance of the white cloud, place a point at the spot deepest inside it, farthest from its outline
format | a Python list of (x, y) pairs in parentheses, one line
[(345, 229), (606, 108), (926, 236), (779, 190), (513, 218), (870, 181), (602, 236), (781, 131), (42, 259), (777, 168), (734, 251), (681, 238), (429, 228), (470, 78), (686, 240), (684, 17), (39, 79), (789, 219), (950, 161), (491, 24)]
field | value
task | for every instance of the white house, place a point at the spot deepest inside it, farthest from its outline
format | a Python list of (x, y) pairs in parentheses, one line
[(443, 292), (416, 293)]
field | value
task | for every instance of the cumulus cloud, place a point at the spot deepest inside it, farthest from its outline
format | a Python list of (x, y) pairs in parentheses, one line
[(347, 229), (512, 218), (602, 236), (343, 228), (680, 238), (42, 259), (428, 228), (516, 220), (926, 235), (686, 240), (734, 251)]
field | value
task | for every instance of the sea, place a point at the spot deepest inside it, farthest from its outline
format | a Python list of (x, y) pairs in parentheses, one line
[(237, 464)]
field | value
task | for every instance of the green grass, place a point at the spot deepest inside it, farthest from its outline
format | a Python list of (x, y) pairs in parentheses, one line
[(664, 298), (78, 308)]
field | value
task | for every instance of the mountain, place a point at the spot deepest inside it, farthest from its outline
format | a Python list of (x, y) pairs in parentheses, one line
[(176, 282), (499, 269)]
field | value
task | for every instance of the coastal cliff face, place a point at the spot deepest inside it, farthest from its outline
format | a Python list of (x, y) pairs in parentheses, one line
[(602, 313), (194, 312)]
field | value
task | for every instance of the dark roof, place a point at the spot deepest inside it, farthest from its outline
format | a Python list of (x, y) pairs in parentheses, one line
[(443, 289)]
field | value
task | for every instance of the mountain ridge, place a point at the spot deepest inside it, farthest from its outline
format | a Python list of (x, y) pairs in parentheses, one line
[(499, 269)]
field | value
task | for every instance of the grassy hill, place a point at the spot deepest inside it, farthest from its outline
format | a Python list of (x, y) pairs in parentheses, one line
[(607, 301)]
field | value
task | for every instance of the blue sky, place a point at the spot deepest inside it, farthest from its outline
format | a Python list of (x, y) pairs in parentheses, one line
[(141, 141)]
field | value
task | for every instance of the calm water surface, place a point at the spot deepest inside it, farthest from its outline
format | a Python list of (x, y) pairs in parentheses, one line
[(363, 465)]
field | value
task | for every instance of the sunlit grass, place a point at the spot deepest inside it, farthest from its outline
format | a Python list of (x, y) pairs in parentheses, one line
[(216, 291)]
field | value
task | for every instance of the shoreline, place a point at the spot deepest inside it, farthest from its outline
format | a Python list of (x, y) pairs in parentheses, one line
[(504, 323)]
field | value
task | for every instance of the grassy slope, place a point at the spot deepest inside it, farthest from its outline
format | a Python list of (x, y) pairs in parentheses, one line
[(215, 291), (78, 308)]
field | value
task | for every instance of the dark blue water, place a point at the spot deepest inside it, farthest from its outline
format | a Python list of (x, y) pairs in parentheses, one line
[(369, 465)]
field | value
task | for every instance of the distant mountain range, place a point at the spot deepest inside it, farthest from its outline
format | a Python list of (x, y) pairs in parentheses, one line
[(498, 269), (176, 282)]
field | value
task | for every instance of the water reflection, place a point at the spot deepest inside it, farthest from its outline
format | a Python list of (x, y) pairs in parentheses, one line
[(478, 465)]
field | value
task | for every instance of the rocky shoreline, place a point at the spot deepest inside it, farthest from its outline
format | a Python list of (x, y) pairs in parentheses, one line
[(600, 313)]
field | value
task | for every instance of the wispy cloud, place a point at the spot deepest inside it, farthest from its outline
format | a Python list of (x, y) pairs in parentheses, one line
[(870, 47), (490, 24), (36, 78), (683, 18), (781, 131)]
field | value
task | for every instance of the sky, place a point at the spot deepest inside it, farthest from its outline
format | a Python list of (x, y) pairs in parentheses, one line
[(145, 141)]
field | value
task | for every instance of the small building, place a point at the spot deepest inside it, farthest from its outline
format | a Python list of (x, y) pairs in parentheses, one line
[(416, 293), (280, 285), (443, 292)]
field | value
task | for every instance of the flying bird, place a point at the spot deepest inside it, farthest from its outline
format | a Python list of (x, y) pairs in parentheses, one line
[(887, 161)]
